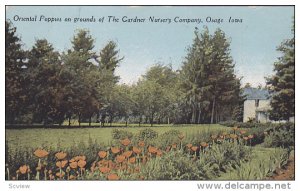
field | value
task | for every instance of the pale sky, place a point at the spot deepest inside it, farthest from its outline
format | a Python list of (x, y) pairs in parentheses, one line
[(253, 42)]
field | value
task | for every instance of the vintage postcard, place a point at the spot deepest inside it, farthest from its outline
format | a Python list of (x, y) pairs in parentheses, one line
[(103, 93)]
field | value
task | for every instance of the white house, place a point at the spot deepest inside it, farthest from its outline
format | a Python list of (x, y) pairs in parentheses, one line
[(256, 105)]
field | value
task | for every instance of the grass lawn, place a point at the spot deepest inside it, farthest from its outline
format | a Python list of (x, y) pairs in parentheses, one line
[(49, 137)]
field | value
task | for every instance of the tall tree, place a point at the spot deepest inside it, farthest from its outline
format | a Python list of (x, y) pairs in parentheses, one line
[(42, 75), (15, 96), (78, 61), (208, 78), (282, 83), (108, 60)]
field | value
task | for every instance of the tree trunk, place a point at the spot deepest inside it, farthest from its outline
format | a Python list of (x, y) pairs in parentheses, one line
[(79, 119), (151, 119), (140, 119), (69, 121), (213, 111), (90, 120), (193, 115), (199, 113)]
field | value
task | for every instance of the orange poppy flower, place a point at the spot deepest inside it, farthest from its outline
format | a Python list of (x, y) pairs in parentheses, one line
[(102, 154), (136, 150), (81, 157), (194, 148), (141, 143), (221, 136), (60, 174), (203, 144), (60, 155), (159, 153), (40, 153), (235, 128), (61, 164), (152, 150), (115, 150), (113, 177), (127, 154), (132, 160), (72, 160), (120, 158), (125, 142), (181, 136), (233, 136), (189, 145), (81, 163), (243, 132), (23, 169), (245, 138), (104, 169), (250, 136), (73, 165)]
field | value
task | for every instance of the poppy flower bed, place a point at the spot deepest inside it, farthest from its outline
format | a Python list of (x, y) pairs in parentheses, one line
[(136, 159)]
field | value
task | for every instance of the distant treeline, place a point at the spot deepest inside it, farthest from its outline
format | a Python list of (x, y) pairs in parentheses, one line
[(45, 86)]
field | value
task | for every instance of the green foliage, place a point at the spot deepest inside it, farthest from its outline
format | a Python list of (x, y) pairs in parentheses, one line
[(21, 156), (177, 165), (173, 166), (262, 164), (282, 83), (15, 94), (168, 138), (119, 134), (282, 136), (147, 134), (225, 156), (208, 78)]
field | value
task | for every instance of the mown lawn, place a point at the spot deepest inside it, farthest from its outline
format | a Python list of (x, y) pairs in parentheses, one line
[(35, 138)]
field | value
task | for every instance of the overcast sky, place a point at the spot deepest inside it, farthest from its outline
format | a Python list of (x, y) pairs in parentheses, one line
[(253, 42)]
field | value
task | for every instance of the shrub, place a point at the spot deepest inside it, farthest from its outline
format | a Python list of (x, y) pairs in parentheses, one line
[(222, 157), (280, 138), (147, 134), (173, 166), (121, 134)]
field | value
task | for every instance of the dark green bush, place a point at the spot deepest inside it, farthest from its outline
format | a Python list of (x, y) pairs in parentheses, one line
[(225, 156), (280, 137), (174, 165), (121, 134), (147, 134)]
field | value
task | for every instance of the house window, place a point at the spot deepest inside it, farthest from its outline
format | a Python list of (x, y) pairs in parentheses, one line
[(256, 102)]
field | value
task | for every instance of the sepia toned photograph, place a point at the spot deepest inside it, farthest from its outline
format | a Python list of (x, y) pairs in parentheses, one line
[(119, 93)]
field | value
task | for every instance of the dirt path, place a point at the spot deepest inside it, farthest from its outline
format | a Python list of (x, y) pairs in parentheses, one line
[(287, 173)]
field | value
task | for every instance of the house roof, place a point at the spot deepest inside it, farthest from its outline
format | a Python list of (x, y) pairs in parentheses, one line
[(254, 93)]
